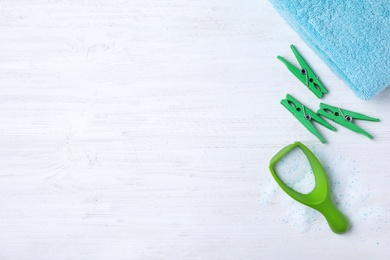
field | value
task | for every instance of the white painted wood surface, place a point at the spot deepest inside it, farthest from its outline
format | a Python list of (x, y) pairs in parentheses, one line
[(143, 130)]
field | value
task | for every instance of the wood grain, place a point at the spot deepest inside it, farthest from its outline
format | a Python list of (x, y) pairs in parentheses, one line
[(143, 130)]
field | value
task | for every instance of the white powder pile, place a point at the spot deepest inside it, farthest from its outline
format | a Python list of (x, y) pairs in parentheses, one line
[(295, 171), (350, 192)]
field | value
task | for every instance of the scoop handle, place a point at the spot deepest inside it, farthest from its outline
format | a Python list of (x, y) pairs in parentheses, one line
[(337, 221)]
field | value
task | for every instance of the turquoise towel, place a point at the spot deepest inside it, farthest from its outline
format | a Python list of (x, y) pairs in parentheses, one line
[(351, 36)]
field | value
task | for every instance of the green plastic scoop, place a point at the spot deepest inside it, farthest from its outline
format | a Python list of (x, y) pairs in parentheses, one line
[(318, 199)]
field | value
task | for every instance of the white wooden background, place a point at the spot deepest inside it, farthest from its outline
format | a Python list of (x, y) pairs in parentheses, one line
[(143, 129)]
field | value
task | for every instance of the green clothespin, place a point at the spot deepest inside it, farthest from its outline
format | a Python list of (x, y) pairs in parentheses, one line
[(305, 116), (320, 198), (345, 118), (305, 74)]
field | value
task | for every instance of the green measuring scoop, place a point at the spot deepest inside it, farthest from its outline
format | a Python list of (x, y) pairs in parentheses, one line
[(318, 199)]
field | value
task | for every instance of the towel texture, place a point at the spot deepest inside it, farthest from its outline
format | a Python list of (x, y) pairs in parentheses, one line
[(351, 36)]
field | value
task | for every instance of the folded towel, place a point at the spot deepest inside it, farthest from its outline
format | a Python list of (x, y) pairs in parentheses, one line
[(351, 36)]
